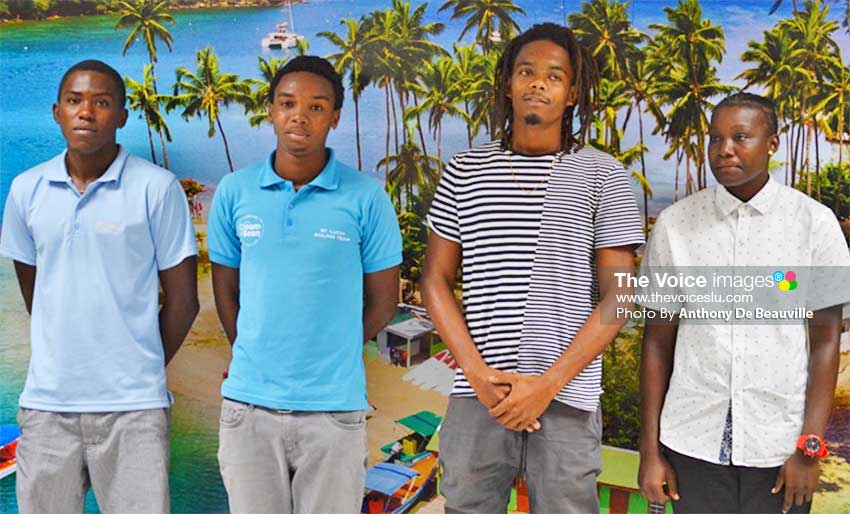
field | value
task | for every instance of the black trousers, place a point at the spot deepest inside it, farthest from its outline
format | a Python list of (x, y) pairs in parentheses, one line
[(707, 488)]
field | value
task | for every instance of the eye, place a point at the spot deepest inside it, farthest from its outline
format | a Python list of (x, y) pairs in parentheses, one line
[(740, 138), (287, 103), (317, 107), (71, 100), (524, 72), (103, 103), (713, 139), (555, 77)]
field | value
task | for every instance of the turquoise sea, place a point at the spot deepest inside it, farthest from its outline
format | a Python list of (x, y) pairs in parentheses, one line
[(33, 56)]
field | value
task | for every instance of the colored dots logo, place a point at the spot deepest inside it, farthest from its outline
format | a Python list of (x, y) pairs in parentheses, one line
[(785, 281)]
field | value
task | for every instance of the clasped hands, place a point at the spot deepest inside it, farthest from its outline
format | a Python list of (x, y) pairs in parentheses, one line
[(516, 401)]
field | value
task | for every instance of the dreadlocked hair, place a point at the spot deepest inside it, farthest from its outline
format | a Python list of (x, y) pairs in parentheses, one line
[(585, 81)]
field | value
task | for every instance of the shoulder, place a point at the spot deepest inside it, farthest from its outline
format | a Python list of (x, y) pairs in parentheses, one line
[(240, 181), (138, 170), (682, 210), (589, 156), (482, 154), (26, 182), (801, 203), (352, 180)]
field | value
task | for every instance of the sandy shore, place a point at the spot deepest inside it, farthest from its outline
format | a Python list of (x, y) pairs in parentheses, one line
[(196, 370)]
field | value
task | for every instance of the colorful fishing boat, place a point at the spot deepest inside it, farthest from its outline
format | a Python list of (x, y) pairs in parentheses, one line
[(9, 435), (408, 474)]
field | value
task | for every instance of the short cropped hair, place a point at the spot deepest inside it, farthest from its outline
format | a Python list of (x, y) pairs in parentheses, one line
[(311, 64), (100, 67)]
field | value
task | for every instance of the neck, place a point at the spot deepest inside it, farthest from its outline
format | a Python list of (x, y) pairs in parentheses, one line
[(535, 139), (299, 169), (746, 192), (90, 167)]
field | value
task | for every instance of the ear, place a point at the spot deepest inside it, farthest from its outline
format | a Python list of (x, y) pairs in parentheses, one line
[(572, 97), (123, 121), (773, 144), (336, 116), (56, 113)]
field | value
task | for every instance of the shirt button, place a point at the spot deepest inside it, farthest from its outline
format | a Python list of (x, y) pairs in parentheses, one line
[(289, 223)]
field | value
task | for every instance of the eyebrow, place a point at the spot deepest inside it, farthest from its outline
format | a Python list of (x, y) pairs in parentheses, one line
[(529, 63), (102, 93), (316, 97)]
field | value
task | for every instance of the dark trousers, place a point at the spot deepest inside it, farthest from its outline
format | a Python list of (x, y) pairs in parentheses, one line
[(707, 488)]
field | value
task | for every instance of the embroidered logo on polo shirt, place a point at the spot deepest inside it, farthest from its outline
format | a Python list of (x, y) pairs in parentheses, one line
[(106, 227), (249, 229), (327, 233)]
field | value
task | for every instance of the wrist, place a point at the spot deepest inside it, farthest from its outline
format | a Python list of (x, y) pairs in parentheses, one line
[(552, 386)]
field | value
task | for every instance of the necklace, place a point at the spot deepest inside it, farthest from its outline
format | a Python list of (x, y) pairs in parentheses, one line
[(540, 182)]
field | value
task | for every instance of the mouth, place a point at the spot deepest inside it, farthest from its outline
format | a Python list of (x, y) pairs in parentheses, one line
[(84, 130), (727, 168), (298, 134), (535, 99)]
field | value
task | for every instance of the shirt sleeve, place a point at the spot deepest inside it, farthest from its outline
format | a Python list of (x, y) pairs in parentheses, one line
[(830, 272), (16, 241), (172, 228), (617, 220), (657, 259), (442, 218), (224, 245), (381, 240)]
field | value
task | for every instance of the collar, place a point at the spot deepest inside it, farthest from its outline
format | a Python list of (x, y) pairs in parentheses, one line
[(327, 179), (59, 171), (761, 202)]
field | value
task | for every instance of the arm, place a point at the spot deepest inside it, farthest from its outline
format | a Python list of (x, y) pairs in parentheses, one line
[(656, 366), (442, 260), (799, 475), (26, 281), (226, 292), (530, 395), (380, 291), (179, 305)]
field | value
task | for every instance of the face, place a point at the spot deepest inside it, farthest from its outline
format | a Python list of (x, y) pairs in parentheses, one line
[(303, 112), (89, 112), (740, 145), (541, 84)]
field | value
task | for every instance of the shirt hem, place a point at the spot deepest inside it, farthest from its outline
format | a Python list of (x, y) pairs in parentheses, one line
[(95, 407), (217, 258), (187, 252), (16, 257), (293, 404), (381, 264), (737, 462)]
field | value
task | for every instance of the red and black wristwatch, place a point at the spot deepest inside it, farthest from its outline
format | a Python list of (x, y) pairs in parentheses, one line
[(812, 446)]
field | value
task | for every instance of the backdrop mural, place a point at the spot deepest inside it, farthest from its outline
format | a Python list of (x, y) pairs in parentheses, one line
[(418, 77)]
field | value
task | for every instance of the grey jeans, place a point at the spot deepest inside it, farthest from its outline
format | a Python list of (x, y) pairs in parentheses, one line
[(481, 459), (123, 456), (282, 462)]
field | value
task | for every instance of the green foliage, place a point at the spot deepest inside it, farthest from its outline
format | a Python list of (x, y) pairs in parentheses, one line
[(834, 188), (621, 383)]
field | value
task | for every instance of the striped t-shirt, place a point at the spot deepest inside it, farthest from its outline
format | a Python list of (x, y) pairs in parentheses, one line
[(528, 227)]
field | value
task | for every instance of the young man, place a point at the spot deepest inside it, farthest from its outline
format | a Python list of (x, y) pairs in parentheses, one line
[(723, 406), (538, 222), (93, 233), (305, 255)]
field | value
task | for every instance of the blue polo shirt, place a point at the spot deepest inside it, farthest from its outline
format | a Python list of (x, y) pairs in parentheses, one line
[(95, 338), (301, 258)]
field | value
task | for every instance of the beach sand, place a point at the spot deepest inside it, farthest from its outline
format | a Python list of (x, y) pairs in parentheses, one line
[(196, 371)]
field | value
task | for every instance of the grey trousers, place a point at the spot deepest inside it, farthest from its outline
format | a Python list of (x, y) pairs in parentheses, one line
[(123, 456), (283, 462), (481, 459)]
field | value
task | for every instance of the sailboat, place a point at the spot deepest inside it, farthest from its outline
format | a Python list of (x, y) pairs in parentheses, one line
[(284, 35)]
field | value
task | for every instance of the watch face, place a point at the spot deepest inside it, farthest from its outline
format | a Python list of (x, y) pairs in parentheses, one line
[(812, 445)]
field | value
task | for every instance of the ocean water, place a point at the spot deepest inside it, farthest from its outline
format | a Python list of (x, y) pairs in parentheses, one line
[(33, 56)]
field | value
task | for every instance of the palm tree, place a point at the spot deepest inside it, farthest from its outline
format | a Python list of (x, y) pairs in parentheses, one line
[(206, 91), (259, 104), (441, 95), (142, 97), (408, 171), (485, 16), (471, 79), (687, 47), (812, 34), (834, 103), (603, 26), (147, 18), (351, 60)]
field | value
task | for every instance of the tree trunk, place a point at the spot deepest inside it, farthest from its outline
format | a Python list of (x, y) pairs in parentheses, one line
[(468, 125), (226, 146), (357, 131), (150, 140), (419, 125), (164, 150), (387, 172), (395, 118), (643, 171)]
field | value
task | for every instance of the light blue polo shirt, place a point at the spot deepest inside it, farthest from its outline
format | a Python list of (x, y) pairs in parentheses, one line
[(301, 258), (95, 338)]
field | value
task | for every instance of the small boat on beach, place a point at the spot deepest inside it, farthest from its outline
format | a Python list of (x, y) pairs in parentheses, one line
[(408, 475), (9, 435)]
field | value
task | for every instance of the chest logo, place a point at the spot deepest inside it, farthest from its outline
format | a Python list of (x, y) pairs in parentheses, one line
[(249, 229), (336, 235)]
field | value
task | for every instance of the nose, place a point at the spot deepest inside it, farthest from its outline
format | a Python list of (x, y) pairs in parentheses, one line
[(538, 83), (725, 148), (85, 111)]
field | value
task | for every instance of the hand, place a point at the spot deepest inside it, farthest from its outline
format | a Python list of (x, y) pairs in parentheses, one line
[(488, 393), (528, 398), (654, 473), (799, 475)]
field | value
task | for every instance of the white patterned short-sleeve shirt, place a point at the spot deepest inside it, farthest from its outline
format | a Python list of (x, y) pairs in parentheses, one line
[(760, 370)]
